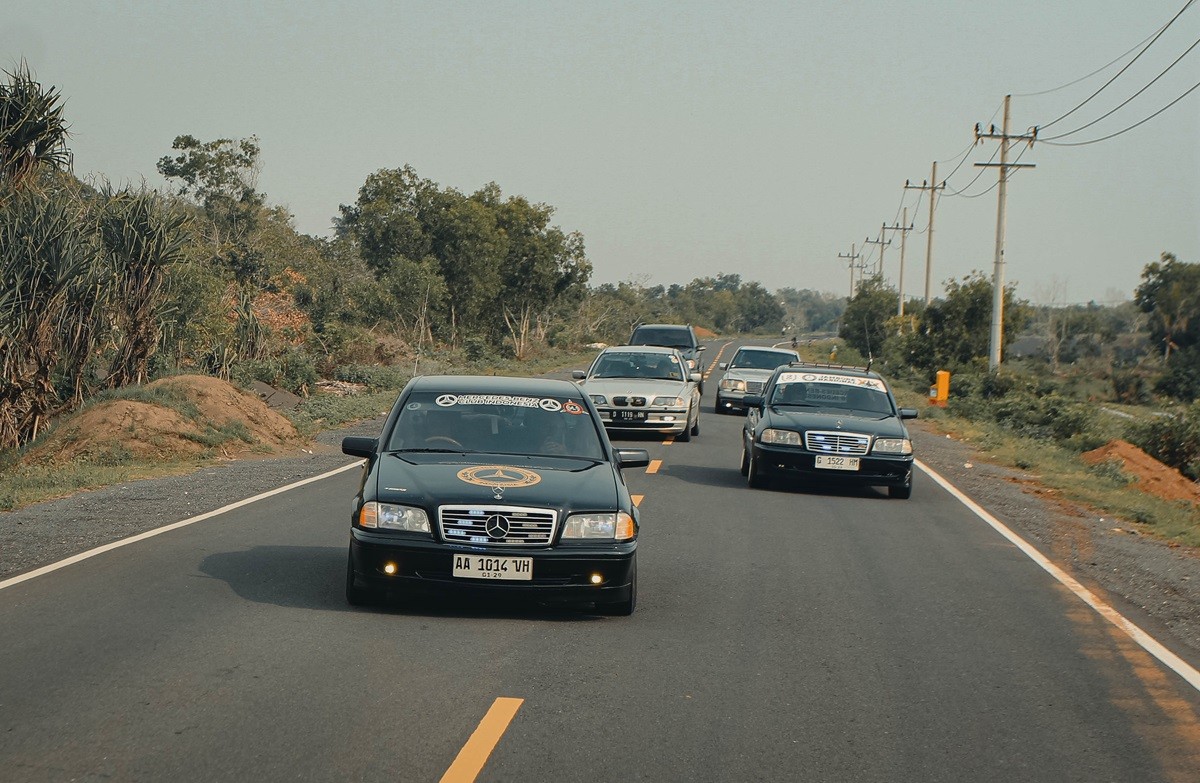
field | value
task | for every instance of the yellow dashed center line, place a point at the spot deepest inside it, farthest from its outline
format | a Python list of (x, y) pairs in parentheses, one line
[(716, 360), (654, 465), (668, 441), (470, 760), (637, 499)]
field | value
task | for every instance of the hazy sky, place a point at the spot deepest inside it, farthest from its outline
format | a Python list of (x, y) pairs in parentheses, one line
[(682, 139)]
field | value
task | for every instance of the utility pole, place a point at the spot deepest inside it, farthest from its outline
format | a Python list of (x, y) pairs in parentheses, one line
[(933, 187), (903, 228), (882, 244), (1006, 139), (853, 256)]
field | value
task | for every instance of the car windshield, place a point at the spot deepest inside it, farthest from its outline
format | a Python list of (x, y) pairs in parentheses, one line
[(496, 424), (760, 360), (841, 395), (671, 338), (626, 364)]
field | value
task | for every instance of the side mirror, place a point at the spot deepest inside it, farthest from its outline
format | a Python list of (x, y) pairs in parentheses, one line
[(695, 377), (908, 413), (701, 347), (752, 400), (578, 375), (724, 365), (632, 458), (357, 446)]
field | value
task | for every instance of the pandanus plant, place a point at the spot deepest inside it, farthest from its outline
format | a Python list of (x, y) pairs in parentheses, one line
[(33, 133)]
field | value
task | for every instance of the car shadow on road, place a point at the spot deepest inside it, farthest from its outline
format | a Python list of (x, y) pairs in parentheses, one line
[(730, 478), (310, 577)]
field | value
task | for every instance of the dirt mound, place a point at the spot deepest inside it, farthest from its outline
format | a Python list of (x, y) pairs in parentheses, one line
[(1152, 476), (704, 334), (172, 418)]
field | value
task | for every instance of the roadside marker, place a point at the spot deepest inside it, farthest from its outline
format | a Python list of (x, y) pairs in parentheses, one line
[(46, 569), (654, 465), (1143, 639), (470, 760), (637, 499)]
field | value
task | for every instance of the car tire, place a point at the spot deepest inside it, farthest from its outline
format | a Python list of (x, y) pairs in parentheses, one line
[(744, 468), (685, 434), (355, 595), (696, 426), (903, 492), (754, 477), (626, 607), (717, 406)]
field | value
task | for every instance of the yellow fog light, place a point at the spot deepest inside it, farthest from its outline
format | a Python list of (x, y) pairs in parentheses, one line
[(597, 579), (390, 568)]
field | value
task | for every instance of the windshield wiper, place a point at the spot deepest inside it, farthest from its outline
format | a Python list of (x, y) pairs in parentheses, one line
[(795, 405), (431, 451)]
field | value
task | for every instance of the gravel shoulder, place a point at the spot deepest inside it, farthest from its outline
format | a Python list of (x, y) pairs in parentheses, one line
[(1156, 586)]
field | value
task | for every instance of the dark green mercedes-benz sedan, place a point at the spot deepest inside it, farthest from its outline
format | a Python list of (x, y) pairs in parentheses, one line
[(826, 425), (494, 485)]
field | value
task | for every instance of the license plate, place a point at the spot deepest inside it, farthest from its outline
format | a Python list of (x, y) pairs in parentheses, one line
[(485, 567), (631, 415), (836, 463)]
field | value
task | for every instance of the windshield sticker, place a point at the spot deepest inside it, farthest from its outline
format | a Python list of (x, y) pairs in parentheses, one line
[(413, 406), (545, 403), (841, 380), (499, 476), (825, 394), (572, 407)]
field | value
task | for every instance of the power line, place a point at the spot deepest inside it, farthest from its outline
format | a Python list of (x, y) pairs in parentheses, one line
[(1125, 130), (1125, 68), (1093, 73), (996, 184), (1130, 98), (975, 179)]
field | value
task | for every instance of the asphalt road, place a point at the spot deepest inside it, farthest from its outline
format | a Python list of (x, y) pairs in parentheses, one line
[(779, 635)]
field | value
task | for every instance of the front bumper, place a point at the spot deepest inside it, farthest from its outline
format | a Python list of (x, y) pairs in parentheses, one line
[(560, 575), (799, 465), (657, 420)]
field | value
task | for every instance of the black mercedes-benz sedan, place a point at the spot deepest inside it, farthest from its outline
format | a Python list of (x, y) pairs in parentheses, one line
[(497, 485), (827, 424)]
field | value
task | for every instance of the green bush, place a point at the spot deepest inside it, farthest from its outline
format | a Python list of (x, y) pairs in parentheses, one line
[(293, 370), (1173, 439), (373, 376), (1130, 386)]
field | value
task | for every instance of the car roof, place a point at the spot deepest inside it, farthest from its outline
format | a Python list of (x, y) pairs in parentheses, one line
[(641, 349), (784, 351), (682, 327), (829, 369), (495, 384)]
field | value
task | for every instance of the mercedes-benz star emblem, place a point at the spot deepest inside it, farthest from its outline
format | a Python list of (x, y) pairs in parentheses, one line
[(496, 526)]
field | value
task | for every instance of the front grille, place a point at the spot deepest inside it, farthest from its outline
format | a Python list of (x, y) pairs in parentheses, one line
[(497, 525), (837, 442), (627, 402), (754, 387)]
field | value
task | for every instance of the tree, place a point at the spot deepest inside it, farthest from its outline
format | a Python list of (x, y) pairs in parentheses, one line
[(33, 133), (1170, 294), (865, 321), (955, 331)]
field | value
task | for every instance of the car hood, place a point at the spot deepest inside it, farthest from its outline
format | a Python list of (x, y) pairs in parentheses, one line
[(747, 374), (642, 387), (432, 480), (805, 419)]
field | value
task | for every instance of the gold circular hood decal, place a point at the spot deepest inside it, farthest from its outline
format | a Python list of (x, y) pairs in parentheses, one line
[(503, 476)]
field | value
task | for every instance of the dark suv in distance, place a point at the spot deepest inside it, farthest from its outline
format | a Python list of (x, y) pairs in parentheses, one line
[(681, 336)]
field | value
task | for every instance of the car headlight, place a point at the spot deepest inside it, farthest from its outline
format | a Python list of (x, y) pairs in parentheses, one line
[(732, 384), (892, 446), (389, 516), (598, 399), (612, 527), (668, 402), (782, 437)]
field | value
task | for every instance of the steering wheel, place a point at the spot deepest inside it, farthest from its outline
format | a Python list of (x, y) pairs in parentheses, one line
[(443, 441)]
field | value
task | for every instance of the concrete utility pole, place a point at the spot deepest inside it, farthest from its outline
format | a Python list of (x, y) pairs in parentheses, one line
[(882, 244), (933, 187), (1005, 138), (853, 256), (903, 228)]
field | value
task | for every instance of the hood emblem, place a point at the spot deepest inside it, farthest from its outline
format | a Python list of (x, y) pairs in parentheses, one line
[(498, 493), (839, 424), (499, 476), (496, 526)]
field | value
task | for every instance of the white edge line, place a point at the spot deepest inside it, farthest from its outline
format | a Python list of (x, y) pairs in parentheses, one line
[(73, 559), (1145, 640)]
